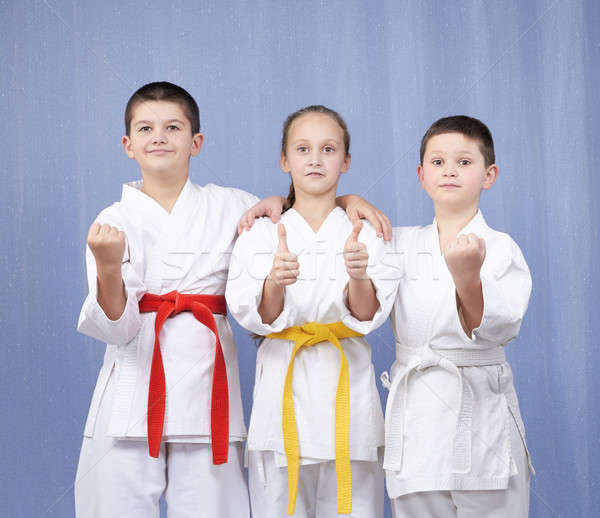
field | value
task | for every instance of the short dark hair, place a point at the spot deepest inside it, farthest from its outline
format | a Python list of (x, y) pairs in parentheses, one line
[(164, 91), (467, 126)]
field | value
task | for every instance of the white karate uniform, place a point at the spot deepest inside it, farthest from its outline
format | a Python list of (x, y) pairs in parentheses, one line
[(317, 296), (187, 250), (452, 417)]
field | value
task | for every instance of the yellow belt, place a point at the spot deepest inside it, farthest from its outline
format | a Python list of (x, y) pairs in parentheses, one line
[(305, 336)]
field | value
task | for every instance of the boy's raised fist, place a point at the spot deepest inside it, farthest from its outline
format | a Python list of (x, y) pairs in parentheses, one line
[(464, 257), (107, 243)]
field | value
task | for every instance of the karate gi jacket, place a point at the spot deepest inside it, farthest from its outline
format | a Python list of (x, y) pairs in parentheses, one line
[(187, 250), (451, 395), (317, 296)]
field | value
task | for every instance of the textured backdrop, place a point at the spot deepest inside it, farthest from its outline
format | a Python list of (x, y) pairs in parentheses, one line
[(528, 69)]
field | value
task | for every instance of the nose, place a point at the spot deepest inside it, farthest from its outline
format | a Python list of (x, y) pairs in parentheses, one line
[(315, 158), (159, 138), (450, 171)]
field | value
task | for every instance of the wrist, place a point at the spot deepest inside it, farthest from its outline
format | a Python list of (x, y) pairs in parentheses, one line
[(272, 286), (467, 283), (358, 277), (108, 270), (345, 200)]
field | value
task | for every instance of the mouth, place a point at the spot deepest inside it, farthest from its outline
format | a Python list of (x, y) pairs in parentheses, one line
[(449, 186), (159, 151), (314, 174)]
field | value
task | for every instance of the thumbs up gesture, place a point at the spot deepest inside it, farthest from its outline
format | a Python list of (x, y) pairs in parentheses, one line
[(285, 264), (356, 256), (107, 244), (464, 257)]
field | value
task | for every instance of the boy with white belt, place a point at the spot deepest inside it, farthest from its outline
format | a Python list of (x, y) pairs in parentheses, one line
[(455, 441)]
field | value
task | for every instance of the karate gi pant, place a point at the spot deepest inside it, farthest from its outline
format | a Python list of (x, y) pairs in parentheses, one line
[(512, 502), (119, 478), (317, 488)]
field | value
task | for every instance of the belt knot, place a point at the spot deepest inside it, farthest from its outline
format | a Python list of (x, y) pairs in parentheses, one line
[(181, 302), (319, 332), (428, 358)]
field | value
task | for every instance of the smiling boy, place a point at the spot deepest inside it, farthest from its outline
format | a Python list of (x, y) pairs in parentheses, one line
[(166, 415)]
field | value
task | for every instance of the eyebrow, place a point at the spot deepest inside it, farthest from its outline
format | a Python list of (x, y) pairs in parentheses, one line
[(459, 152), (303, 139), (152, 122)]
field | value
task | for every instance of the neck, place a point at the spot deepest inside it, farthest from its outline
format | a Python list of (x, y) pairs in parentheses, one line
[(314, 209), (450, 222), (164, 189)]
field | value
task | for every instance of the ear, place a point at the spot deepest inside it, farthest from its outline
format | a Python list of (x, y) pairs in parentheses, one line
[(126, 143), (283, 163), (346, 164), (197, 141), (491, 173), (421, 175)]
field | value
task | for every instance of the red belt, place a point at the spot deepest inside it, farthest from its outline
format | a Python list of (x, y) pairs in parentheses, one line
[(202, 307)]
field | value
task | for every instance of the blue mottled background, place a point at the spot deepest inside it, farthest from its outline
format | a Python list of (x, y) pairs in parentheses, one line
[(530, 70)]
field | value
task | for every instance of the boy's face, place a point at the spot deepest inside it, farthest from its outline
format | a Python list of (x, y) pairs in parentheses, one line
[(160, 138), (453, 172)]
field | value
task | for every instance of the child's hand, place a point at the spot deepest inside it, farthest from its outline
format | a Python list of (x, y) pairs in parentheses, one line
[(107, 244), (464, 257), (285, 264), (356, 256), (357, 208), (271, 206)]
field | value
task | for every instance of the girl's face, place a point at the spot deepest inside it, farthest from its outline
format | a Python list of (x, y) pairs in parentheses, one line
[(315, 155)]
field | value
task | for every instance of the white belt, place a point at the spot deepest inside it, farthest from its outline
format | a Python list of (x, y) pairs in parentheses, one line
[(449, 360)]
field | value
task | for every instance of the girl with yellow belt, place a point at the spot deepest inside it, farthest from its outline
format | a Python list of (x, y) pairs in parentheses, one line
[(305, 284)]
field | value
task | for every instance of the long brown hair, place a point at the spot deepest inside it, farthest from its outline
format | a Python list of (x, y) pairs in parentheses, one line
[(315, 108)]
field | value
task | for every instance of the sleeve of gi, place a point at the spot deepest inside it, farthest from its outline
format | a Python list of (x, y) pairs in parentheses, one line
[(92, 319), (246, 199), (383, 273), (506, 285), (251, 262)]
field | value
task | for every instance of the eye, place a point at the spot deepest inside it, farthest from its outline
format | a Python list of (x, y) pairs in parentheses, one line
[(302, 149), (329, 149), (172, 127), (464, 161), (144, 129), (437, 161)]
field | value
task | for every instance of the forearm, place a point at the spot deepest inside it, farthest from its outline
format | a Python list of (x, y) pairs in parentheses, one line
[(111, 291), (469, 301), (362, 301), (271, 304)]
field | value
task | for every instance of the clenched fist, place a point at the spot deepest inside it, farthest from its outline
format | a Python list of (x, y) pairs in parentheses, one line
[(356, 256), (107, 244), (285, 267), (464, 257)]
